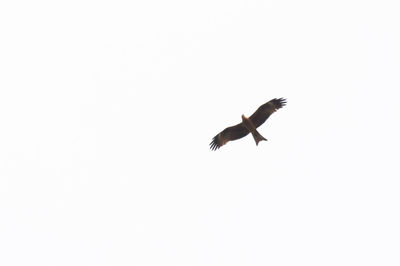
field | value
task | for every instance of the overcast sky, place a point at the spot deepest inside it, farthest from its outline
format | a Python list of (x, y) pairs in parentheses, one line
[(107, 109)]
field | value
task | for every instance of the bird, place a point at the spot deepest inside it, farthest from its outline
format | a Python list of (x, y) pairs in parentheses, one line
[(248, 125)]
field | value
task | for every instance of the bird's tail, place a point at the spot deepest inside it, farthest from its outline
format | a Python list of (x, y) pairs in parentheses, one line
[(257, 137)]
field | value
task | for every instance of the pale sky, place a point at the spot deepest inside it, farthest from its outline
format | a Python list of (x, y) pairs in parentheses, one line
[(107, 109)]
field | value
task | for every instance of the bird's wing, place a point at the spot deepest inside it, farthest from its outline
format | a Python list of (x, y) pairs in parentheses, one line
[(228, 134), (265, 110)]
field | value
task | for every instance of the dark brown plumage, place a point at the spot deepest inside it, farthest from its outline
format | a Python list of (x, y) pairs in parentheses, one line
[(248, 125)]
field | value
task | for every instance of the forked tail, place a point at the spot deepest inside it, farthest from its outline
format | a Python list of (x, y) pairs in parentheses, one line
[(257, 137)]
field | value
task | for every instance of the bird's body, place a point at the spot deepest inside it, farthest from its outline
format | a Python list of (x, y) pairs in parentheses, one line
[(248, 125)]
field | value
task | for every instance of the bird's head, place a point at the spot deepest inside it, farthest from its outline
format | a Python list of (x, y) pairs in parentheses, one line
[(243, 117)]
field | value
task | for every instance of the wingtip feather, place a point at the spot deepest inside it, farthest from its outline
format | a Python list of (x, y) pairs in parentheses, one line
[(279, 102), (214, 144)]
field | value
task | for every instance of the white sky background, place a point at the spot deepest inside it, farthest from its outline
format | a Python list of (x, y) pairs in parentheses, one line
[(107, 110)]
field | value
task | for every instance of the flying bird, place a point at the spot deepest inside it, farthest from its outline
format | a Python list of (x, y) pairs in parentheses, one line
[(248, 125)]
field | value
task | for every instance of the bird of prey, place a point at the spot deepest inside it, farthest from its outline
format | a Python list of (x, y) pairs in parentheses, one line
[(248, 125)]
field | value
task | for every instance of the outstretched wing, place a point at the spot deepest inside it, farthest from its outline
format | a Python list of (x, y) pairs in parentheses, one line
[(265, 110), (228, 134)]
